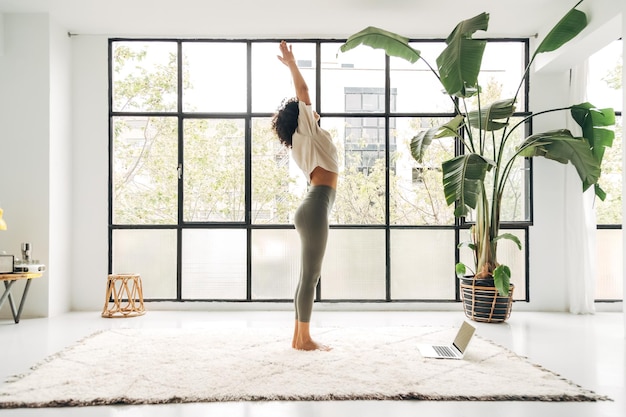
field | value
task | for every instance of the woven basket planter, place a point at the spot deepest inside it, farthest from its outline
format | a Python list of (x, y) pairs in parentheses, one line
[(483, 303)]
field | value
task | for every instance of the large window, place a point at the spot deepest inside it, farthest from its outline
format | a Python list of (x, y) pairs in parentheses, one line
[(203, 195), (605, 86)]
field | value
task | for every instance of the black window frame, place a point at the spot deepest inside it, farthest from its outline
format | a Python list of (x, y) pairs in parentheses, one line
[(458, 226)]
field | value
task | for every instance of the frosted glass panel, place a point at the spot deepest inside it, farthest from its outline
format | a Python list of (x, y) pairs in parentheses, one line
[(214, 264), (151, 254), (509, 255), (275, 263), (422, 264), (354, 265), (610, 256)]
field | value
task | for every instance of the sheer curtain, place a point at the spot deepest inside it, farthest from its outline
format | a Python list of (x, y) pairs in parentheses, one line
[(580, 219)]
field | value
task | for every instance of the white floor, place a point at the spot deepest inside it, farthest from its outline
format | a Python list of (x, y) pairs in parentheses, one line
[(588, 350)]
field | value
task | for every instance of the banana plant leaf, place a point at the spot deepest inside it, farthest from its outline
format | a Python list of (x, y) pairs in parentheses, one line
[(486, 118), (421, 141), (393, 44), (463, 178), (568, 28), (502, 279), (511, 237), (561, 146), (459, 63), (597, 126)]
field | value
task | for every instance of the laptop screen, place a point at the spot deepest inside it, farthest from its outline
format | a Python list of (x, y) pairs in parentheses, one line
[(464, 336)]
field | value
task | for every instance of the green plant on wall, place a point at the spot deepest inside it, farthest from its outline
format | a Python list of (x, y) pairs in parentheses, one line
[(476, 179)]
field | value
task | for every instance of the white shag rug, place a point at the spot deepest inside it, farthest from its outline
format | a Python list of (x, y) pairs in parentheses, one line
[(179, 365)]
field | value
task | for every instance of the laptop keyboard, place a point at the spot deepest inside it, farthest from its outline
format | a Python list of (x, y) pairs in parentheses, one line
[(444, 351)]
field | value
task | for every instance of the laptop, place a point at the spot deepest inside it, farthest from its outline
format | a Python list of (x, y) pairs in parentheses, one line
[(456, 350)]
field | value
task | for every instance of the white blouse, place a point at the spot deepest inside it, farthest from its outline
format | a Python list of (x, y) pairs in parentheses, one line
[(312, 146)]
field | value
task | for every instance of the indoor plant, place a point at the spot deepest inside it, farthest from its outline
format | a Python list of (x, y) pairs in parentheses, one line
[(476, 179)]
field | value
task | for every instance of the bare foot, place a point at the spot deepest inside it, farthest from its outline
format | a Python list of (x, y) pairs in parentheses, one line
[(302, 338), (310, 345)]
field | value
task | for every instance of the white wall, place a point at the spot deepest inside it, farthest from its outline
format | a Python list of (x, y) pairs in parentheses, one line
[(60, 215), (547, 235), (1, 34), (36, 152), (25, 145), (90, 166)]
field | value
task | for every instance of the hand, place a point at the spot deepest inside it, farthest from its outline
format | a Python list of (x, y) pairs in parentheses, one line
[(287, 57)]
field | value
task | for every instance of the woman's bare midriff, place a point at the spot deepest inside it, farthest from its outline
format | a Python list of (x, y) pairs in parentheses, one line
[(320, 176)]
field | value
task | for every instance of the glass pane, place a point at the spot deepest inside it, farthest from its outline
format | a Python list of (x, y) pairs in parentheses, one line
[(354, 265), (214, 264), (152, 255), (278, 185), (416, 189), (271, 80), (214, 77), (144, 76), (501, 72), (609, 271), (604, 89), (516, 196), (416, 87), (360, 68), (605, 77), (275, 263), (145, 158), (508, 254), (609, 211), (214, 187), (422, 264), (361, 190)]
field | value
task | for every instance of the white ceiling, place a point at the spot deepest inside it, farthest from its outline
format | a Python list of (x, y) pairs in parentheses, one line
[(291, 18)]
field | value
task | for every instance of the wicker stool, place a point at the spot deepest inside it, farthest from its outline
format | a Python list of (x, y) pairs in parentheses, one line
[(123, 289)]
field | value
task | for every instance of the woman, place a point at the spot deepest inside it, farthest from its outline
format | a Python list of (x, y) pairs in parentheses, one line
[(312, 149)]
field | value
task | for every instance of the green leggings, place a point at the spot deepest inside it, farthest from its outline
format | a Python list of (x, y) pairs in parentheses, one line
[(311, 221)]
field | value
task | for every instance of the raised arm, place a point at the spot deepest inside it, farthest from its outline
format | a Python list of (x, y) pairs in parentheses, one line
[(287, 58)]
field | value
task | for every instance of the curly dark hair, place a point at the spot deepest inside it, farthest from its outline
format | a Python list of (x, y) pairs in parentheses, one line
[(285, 121)]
